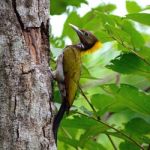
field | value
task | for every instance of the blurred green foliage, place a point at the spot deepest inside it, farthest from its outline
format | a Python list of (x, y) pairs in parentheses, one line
[(116, 79), (60, 6)]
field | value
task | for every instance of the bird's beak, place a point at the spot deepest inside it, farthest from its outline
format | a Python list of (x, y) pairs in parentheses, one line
[(77, 30)]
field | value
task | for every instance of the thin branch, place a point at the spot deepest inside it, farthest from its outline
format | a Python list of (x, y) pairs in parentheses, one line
[(68, 135), (123, 134), (131, 49), (113, 144), (140, 57), (88, 101), (94, 110), (117, 79)]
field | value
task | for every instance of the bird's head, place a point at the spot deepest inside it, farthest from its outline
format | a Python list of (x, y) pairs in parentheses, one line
[(89, 43)]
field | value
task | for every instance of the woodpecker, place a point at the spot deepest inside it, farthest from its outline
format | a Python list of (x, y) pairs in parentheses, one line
[(69, 69)]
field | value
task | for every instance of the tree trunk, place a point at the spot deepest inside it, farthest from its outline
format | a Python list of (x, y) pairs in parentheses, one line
[(25, 82)]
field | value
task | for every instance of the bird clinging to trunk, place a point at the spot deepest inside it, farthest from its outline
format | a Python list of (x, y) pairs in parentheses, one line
[(69, 69)]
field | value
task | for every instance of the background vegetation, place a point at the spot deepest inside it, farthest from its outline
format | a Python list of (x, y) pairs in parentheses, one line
[(112, 108)]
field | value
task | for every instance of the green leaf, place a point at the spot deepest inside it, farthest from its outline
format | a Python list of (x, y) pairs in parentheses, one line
[(92, 22), (79, 122), (90, 126), (57, 96), (59, 7), (92, 132), (132, 7), (107, 19), (118, 34), (86, 74), (103, 102), (128, 146), (72, 142), (117, 19), (140, 17), (130, 97), (134, 34), (141, 133), (75, 19), (147, 7), (103, 36), (76, 3), (143, 127), (95, 21), (129, 63), (90, 144), (105, 8), (145, 53)]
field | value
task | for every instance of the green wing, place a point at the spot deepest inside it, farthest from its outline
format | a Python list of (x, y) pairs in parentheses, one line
[(72, 69)]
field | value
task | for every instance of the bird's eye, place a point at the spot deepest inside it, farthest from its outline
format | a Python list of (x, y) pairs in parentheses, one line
[(86, 34)]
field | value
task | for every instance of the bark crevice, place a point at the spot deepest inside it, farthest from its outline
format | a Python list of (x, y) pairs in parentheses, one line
[(15, 105), (17, 14), (17, 132)]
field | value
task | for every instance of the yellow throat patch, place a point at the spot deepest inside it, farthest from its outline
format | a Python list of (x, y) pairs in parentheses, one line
[(95, 47)]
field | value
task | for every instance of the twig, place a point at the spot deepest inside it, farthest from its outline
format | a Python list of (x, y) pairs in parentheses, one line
[(123, 134), (98, 117), (113, 144), (117, 79), (131, 49), (88, 101)]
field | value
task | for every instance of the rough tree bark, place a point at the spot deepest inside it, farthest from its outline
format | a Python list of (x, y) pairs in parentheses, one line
[(25, 84)]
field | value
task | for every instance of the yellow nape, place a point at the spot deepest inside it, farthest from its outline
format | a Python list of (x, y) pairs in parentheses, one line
[(95, 47)]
